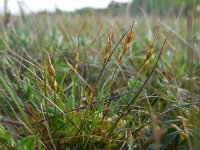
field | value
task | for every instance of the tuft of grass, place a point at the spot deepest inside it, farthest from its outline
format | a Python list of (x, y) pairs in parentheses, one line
[(58, 94)]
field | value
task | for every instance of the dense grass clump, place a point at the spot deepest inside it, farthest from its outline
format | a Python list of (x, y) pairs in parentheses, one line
[(71, 82)]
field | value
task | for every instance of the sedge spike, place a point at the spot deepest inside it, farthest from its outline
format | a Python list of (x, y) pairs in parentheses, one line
[(127, 41), (52, 75), (150, 50), (108, 47)]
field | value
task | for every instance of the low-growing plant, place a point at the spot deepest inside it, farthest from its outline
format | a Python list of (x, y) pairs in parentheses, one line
[(62, 94)]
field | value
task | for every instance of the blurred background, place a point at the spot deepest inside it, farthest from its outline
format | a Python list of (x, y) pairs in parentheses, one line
[(115, 7)]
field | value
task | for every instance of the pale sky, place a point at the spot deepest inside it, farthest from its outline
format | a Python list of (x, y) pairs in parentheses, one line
[(68, 5)]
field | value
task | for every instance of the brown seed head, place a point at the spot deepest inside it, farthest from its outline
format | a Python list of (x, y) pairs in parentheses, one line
[(123, 52), (108, 47), (50, 67), (150, 50), (130, 36), (128, 39), (52, 75), (149, 54)]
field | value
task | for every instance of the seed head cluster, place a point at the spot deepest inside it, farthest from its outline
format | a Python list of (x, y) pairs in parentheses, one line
[(127, 41), (108, 47), (52, 75), (150, 50)]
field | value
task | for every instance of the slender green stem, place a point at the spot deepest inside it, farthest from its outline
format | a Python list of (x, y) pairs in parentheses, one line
[(45, 84)]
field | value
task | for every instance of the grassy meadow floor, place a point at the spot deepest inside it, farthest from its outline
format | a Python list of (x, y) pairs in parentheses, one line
[(88, 82)]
